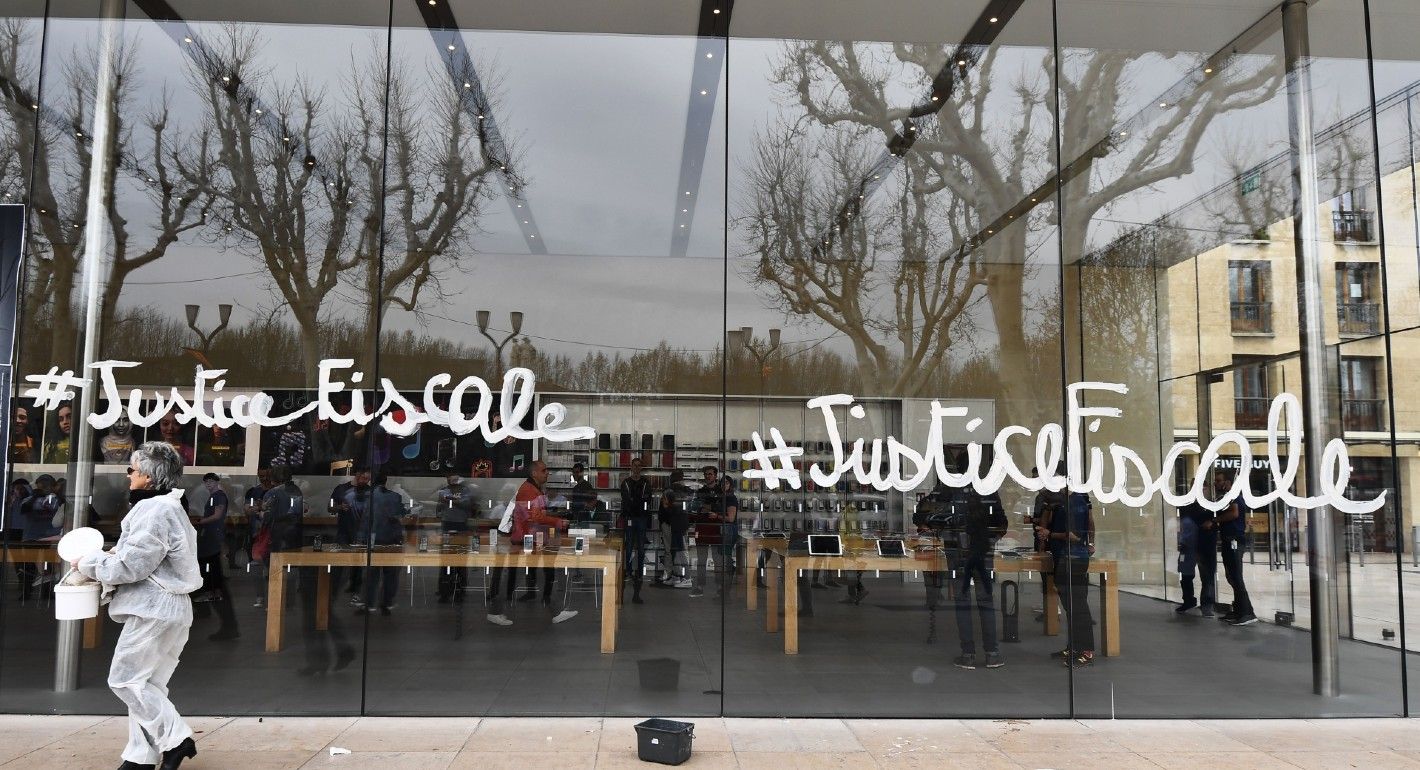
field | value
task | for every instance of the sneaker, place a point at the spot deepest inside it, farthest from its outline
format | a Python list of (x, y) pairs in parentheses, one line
[(499, 619), (1080, 659), (966, 661), (564, 616), (1187, 605), (1243, 620), (994, 660), (355, 601), (682, 583), (696, 593)]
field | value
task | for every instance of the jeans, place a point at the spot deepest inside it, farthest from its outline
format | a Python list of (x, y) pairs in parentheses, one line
[(1072, 582), (968, 572), (1202, 557), (634, 549), (1233, 570), (385, 578)]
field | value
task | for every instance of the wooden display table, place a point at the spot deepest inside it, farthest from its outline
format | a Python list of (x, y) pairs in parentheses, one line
[(1107, 611), (597, 556), (49, 554)]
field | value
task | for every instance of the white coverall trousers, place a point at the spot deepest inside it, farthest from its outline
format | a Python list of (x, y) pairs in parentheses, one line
[(143, 662)]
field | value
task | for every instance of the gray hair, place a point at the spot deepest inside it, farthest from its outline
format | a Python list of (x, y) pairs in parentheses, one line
[(160, 462)]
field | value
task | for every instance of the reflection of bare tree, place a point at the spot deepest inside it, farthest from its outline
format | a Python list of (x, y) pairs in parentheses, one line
[(890, 272), (53, 155), (300, 173), (986, 150)]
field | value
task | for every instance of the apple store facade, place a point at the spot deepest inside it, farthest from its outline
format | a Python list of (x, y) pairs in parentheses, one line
[(980, 358)]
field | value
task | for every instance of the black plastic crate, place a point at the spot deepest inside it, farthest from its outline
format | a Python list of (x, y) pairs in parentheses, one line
[(665, 741)]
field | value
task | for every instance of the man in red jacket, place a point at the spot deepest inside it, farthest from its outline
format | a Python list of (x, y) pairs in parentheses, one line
[(530, 516)]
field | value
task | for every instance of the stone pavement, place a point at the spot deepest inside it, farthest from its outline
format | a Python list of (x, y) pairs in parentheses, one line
[(386, 743)]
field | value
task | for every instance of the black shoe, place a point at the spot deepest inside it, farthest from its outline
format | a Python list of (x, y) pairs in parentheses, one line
[(1243, 620), (965, 660), (174, 756), (134, 766), (1187, 605), (223, 635)]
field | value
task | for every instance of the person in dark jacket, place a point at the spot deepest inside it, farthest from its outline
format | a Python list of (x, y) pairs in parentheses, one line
[(969, 524), (675, 523), (1197, 552), (387, 527), (1069, 532), (636, 509)]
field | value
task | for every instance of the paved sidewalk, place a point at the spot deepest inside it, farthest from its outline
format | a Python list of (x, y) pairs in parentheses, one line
[(80, 743)]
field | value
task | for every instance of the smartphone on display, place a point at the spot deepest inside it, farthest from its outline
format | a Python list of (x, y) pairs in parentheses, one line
[(579, 546), (527, 543)]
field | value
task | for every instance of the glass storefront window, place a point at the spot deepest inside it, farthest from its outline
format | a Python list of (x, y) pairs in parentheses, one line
[(427, 230)]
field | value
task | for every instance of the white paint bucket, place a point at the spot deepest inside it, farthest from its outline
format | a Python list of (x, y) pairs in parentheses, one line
[(76, 602)]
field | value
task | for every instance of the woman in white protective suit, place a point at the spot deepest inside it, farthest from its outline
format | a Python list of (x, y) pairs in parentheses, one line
[(151, 571)]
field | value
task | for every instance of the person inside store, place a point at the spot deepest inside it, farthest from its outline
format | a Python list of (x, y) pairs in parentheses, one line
[(20, 490), (1232, 534), (582, 499), (352, 522), (283, 513), (1045, 499), (530, 517), (1069, 533), (58, 437), (970, 527), (387, 529), (42, 517), (716, 531), (22, 444), (252, 508), (1197, 553), (456, 507), (172, 432), (117, 444), (675, 523), (211, 533), (150, 572), (636, 512)]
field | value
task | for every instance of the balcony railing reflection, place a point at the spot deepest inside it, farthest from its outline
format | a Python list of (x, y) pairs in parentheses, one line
[(1252, 317), (1351, 226), (1358, 318), (1250, 412), (1362, 413)]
